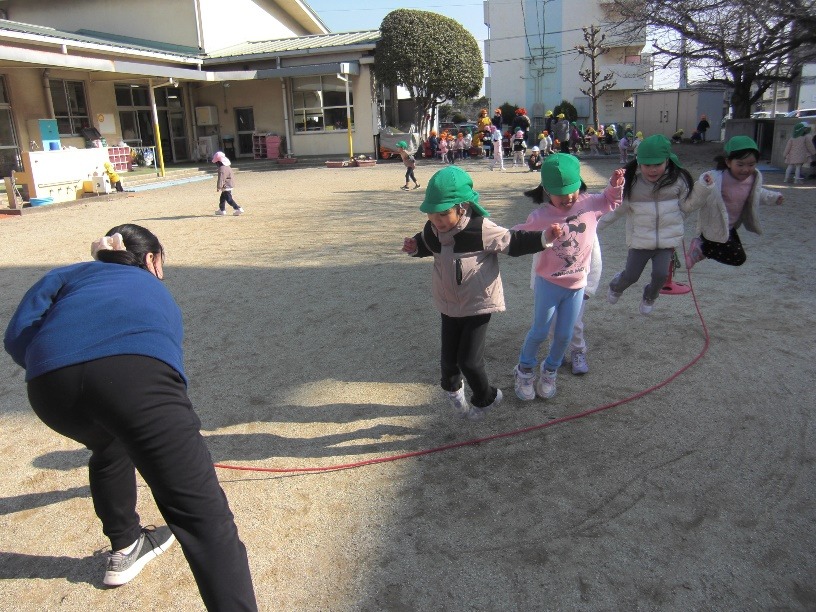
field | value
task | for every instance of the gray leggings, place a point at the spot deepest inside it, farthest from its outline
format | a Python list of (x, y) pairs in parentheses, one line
[(635, 263)]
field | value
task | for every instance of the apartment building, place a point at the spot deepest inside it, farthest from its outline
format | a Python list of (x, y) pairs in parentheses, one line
[(532, 61)]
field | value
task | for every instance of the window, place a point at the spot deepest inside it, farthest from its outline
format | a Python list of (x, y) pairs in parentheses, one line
[(631, 59), (319, 104), (70, 107)]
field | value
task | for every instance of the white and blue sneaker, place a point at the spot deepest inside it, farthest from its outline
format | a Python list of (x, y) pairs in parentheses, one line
[(545, 385), (525, 384), (477, 414), (459, 403)]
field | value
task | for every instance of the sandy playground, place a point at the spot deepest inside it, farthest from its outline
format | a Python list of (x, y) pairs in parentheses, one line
[(311, 341)]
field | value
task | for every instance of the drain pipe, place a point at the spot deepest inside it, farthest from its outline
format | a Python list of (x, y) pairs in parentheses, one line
[(49, 103)]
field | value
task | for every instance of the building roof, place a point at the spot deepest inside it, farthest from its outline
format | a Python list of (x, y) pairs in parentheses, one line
[(92, 40), (296, 45)]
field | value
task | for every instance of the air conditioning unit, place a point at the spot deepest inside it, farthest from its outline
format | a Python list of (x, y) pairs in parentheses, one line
[(206, 115)]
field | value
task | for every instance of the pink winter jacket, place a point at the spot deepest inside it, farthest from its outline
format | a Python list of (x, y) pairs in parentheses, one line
[(799, 150)]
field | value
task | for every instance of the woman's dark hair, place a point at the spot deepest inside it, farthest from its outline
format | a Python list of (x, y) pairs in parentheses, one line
[(539, 196), (739, 154), (672, 174), (138, 242)]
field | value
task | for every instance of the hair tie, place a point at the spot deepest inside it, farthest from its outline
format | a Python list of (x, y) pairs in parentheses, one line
[(108, 243)]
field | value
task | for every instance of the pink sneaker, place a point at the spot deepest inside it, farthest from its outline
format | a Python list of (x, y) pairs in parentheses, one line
[(695, 253)]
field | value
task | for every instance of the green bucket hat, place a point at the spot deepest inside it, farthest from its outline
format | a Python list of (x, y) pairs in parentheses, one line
[(656, 149), (449, 187), (740, 143), (561, 174), (402, 144), (801, 129)]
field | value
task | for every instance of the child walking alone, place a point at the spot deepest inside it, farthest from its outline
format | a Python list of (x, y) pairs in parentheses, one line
[(410, 164), (225, 185), (467, 286), (655, 202), (799, 150), (561, 272), (732, 193)]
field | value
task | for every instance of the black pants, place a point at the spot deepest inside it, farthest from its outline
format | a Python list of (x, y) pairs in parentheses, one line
[(226, 197), (729, 253), (409, 175), (463, 346), (130, 410), (565, 146)]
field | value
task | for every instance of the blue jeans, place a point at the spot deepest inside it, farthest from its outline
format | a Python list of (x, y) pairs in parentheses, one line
[(550, 300)]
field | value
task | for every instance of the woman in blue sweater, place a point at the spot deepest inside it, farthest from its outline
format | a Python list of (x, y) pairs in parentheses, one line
[(101, 346)]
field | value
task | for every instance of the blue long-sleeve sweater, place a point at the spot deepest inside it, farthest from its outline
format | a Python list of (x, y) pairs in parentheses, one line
[(92, 310)]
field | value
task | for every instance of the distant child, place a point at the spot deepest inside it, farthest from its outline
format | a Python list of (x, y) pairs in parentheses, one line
[(623, 147), (467, 287), (410, 164), (459, 145), (498, 151), (732, 193), (677, 137), (451, 149), (593, 141), (561, 272), (225, 185), (443, 149), (575, 138), (636, 142), (467, 143), (655, 202), (703, 126), (545, 143), (113, 176), (433, 143), (799, 151), (519, 147), (534, 161)]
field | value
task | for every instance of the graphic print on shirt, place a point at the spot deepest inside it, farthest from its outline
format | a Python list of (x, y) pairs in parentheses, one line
[(567, 248)]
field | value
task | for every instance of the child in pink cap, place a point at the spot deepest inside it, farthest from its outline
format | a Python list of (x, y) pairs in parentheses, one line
[(225, 185)]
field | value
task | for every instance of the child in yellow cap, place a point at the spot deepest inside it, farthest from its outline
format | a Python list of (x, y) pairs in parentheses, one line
[(561, 272), (467, 287), (113, 176)]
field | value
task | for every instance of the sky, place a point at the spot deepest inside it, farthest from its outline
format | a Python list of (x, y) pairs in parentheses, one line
[(343, 16)]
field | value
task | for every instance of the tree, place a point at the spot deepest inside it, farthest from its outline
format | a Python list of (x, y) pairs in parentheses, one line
[(743, 44), (570, 112), (436, 73), (597, 84)]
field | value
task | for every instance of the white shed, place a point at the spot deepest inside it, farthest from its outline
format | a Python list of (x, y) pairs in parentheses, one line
[(664, 111)]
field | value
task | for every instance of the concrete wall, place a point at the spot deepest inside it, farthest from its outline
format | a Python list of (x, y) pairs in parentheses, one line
[(220, 24)]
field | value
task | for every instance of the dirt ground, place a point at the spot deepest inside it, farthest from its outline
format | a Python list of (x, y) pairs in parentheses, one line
[(312, 341)]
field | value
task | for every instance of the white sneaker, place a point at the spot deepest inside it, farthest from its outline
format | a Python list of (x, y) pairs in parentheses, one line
[(579, 363), (612, 296), (545, 385), (525, 384), (458, 402), (477, 414), (646, 306), (238, 211), (220, 213)]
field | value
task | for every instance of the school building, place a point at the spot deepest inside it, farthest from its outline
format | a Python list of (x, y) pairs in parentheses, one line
[(253, 77)]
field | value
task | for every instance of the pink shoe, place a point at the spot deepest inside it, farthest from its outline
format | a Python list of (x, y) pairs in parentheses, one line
[(695, 253)]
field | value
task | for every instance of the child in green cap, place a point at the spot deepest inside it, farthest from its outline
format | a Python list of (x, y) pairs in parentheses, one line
[(410, 164), (467, 287), (561, 272), (732, 194), (799, 150), (655, 203)]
